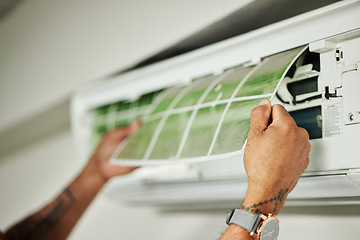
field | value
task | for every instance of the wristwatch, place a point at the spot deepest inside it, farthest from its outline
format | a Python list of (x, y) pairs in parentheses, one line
[(259, 226)]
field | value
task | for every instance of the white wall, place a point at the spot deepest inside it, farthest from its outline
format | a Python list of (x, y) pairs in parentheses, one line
[(48, 48)]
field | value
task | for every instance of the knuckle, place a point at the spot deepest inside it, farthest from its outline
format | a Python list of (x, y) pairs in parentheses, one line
[(277, 106), (289, 126), (303, 133)]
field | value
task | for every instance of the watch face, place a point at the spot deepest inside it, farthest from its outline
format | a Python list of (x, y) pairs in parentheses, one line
[(270, 229)]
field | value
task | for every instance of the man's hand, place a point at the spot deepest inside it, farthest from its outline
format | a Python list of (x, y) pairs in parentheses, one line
[(276, 154), (106, 148)]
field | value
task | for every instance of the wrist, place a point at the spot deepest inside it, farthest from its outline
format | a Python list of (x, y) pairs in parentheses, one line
[(236, 232), (264, 201), (94, 171), (98, 169), (89, 181), (258, 226)]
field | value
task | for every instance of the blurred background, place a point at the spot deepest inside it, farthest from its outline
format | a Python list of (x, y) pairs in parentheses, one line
[(48, 49)]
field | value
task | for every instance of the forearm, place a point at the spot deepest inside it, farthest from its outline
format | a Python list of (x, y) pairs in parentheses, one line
[(57, 219)]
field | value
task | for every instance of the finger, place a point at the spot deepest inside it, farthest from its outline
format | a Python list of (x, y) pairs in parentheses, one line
[(121, 170), (123, 132), (279, 114), (260, 116), (133, 127)]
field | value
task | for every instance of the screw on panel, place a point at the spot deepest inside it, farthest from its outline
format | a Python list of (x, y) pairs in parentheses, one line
[(351, 116)]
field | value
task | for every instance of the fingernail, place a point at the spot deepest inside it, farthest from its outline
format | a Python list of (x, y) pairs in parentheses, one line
[(264, 102)]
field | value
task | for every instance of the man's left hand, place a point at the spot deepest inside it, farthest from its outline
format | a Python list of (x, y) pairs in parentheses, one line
[(106, 148)]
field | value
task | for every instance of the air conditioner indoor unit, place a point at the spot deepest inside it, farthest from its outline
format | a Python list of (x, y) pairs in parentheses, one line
[(196, 107)]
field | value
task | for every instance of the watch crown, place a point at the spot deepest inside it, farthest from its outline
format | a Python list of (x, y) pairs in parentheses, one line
[(254, 235)]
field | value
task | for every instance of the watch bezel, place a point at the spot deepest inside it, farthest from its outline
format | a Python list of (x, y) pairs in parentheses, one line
[(263, 223)]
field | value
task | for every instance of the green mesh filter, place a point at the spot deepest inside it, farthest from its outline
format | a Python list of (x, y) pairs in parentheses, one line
[(119, 114), (208, 117)]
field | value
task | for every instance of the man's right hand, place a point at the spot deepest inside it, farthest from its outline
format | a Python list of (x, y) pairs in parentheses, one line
[(276, 154)]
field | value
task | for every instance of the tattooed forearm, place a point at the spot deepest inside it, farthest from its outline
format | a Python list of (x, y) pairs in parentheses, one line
[(37, 225), (274, 201)]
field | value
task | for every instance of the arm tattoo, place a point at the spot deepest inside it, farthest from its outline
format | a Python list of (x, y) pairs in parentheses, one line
[(275, 200), (37, 225)]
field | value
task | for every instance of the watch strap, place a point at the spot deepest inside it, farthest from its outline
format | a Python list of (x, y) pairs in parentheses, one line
[(244, 219)]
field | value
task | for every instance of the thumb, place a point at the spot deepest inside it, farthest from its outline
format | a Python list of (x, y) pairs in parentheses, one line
[(260, 116), (279, 113)]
